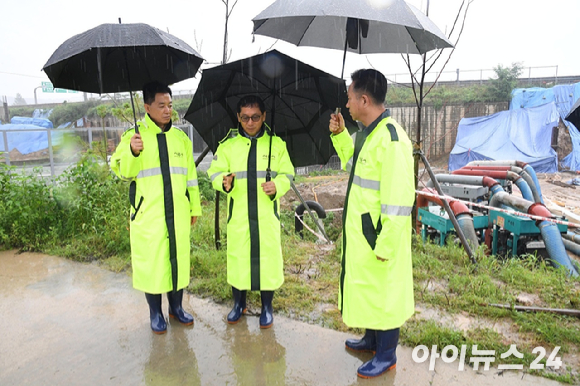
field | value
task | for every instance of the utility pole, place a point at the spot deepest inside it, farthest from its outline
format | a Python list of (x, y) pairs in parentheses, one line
[(35, 101), (5, 108)]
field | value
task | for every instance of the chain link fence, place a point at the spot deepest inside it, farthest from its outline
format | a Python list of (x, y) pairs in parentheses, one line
[(52, 151)]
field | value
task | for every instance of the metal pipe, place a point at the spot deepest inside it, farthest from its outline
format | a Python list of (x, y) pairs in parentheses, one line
[(572, 247), (456, 179), (516, 169), (448, 208), (514, 202), (562, 311), (571, 236), (461, 211), (528, 168), (555, 247), (502, 173), (525, 175), (488, 182), (549, 230)]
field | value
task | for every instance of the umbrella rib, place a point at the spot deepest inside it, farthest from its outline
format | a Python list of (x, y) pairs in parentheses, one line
[(222, 97), (306, 29)]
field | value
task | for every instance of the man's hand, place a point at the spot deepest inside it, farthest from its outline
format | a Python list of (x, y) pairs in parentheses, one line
[(336, 124), (227, 181), (269, 188), (193, 220), (136, 144)]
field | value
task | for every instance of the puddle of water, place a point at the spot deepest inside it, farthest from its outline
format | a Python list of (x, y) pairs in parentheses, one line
[(69, 323)]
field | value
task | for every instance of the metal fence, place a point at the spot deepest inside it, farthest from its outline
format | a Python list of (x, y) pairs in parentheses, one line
[(58, 149), (546, 73)]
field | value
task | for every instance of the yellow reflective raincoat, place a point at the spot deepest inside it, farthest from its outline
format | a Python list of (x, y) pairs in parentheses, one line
[(254, 251), (164, 195), (377, 294)]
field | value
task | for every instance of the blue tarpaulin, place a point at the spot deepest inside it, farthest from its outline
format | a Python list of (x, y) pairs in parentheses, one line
[(42, 122), (522, 135), (564, 97), (27, 138)]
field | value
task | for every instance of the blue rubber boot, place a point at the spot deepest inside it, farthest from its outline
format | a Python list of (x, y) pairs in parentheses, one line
[(385, 358), (267, 316), (239, 308), (175, 310), (158, 324), (368, 343)]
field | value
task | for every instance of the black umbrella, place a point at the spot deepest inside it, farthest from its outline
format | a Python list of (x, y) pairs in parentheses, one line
[(299, 99), (360, 26), (574, 114), (121, 57)]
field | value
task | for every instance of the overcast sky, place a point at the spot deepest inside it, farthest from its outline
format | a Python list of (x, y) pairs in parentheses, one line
[(532, 32)]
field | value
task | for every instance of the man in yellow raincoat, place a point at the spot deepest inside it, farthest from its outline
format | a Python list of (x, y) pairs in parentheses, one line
[(376, 281), (253, 167), (164, 196)]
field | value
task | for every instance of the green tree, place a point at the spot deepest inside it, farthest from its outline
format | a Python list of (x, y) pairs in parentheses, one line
[(68, 112), (19, 100), (102, 111), (506, 79), (125, 111)]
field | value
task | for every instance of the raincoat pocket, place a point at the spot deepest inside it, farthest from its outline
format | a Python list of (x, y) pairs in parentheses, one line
[(368, 230), (132, 196), (231, 209), (276, 210)]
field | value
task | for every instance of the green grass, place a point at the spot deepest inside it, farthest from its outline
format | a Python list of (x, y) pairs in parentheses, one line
[(83, 216)]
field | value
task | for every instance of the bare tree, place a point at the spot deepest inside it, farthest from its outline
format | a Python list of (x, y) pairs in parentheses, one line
[(420, 91), (229, 11)]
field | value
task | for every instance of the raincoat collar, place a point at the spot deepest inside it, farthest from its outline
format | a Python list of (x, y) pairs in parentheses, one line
[(234, 132), (369, 129), (258, 134), (151, 124)]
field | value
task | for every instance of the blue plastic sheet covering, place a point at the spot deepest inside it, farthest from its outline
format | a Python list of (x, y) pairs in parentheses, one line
[(522, 135), (564, 97), (47, 124), (27, 138)]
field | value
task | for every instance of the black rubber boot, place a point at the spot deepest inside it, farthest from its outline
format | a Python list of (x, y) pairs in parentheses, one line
[(158, 324), (239, 308), (368, 343), (175, 310), (386, 357), (267, 317)]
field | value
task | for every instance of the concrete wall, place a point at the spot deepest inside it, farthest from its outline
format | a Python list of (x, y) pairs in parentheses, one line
[(439, 125)]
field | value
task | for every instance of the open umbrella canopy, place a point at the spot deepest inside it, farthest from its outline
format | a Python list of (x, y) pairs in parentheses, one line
[(574, 114), (360, 26), (121, 57), (299, 99)]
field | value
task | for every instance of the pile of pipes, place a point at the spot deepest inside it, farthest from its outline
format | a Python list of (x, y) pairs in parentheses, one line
[(506, 223)]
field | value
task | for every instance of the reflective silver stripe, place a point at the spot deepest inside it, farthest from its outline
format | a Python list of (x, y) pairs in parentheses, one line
[(364, 183), (259, 174), (157, 171), (348, 166), (149, 172), (126, 178), (178, 170), (290, 177), (396, 210), (213, 176), (192, 183)]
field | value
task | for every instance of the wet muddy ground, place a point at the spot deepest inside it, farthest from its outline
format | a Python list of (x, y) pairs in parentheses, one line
[(68, 323)]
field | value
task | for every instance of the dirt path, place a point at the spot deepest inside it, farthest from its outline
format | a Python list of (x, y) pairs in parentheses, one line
[(68, 323)]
